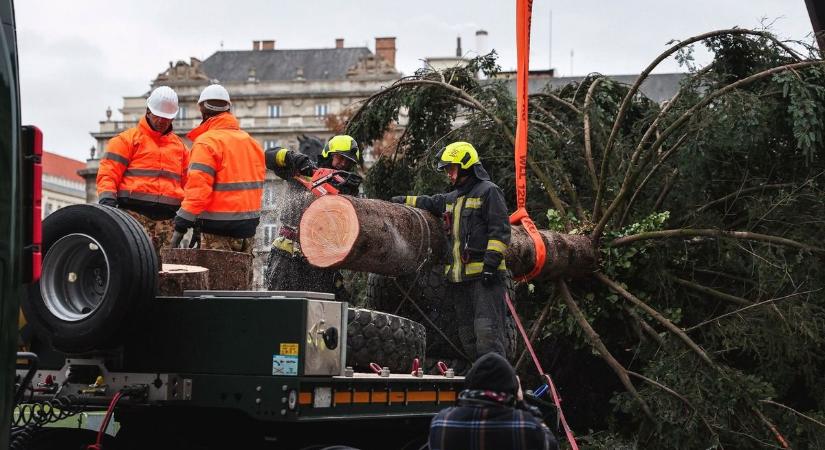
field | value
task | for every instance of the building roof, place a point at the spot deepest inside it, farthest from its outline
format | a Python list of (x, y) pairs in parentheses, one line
[(62, 167), (283, 65), (657, 87)]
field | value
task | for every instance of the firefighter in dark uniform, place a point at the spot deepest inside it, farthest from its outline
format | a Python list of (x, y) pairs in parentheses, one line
[(287, 269), (475, 215)]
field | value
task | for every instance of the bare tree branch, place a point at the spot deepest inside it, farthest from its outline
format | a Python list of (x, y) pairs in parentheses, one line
[(751, 306), (691, 232), (597, 343), (656, 315)]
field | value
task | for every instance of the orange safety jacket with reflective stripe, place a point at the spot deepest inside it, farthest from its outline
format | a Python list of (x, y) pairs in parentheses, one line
[(226, 178), (144, 170)]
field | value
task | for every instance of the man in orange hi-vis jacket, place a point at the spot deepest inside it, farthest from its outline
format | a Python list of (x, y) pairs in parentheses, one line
[(144, 168), (223, 191)]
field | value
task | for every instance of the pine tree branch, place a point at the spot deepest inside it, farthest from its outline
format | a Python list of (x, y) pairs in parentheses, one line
[(809, 418), (645, 73), (751, 306), (588, 152), (558, 100), (656, 315), (597, 343), (735, 195), (645, 326), (779, 437), (677, 395), (534, 330), (624, 189), (692, 232), (710, 291)]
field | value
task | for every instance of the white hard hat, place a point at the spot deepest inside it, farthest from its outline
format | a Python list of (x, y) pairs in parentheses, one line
[(214, 92), (163, 102)]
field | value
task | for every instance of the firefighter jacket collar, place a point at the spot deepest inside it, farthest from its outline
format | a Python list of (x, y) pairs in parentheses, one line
[(480, 172), (147, 130), (224, 121)]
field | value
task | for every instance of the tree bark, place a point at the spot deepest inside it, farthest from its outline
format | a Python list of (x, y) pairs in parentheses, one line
[(173, 279), (230, 271), (391, 239)]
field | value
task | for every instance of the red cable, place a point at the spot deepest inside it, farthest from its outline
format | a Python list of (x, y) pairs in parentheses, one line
[(98, 445), (556, 399)]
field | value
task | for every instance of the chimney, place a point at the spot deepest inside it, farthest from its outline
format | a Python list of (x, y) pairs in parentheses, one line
[(256, 45), (481, 42), (385, 48), (339, 43), (458, 51), (267, 45)]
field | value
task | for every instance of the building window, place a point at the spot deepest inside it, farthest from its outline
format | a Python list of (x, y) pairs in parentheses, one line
[(270, 143), (48, 209), (181, 113), (270, 233), (321, 110), (274, 110), (270, 195)]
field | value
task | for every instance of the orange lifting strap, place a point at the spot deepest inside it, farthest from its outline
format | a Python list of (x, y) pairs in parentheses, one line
[(521, 216)]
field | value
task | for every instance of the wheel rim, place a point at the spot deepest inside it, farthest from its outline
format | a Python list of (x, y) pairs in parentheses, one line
[(75, 277)]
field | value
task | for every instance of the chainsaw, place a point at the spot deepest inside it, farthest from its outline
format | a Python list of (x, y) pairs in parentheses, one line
[(326, 181)]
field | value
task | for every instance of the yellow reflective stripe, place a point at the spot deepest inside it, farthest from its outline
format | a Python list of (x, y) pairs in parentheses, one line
[(457, 239), (280, 157), (474, 203), (496, 246), (410, 200), (446, 269), (502, 265), (473, 268)]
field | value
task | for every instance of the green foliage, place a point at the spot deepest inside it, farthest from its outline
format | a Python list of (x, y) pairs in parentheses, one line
[(752, 160)]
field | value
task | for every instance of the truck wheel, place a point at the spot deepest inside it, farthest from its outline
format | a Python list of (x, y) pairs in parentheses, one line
[(99, 271), (432, 294), (385, 339)]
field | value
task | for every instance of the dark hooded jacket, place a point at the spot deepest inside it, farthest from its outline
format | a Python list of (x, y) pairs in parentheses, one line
[(488, 415), (476, 220)]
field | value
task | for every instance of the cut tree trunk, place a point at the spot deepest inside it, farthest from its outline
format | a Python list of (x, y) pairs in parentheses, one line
[(369, 235), (229, 271), (390, 239), (173, 279)]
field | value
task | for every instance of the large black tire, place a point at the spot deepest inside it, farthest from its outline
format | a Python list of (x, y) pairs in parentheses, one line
[(99, 272), (432, 293), (385, 339)]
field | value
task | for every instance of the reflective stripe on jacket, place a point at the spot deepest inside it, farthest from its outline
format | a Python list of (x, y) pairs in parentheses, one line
[(226, 178), (144, 165), (479, 229)]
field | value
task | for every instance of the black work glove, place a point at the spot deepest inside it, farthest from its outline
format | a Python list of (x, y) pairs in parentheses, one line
[(303, 164), (489, 277), (399, 199), (182, 225), (108, 201)]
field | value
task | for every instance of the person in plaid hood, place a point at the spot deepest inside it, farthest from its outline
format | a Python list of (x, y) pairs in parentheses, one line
[(490, 414)]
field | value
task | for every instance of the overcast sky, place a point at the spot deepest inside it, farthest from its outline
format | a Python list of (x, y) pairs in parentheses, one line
[(79, 57)]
